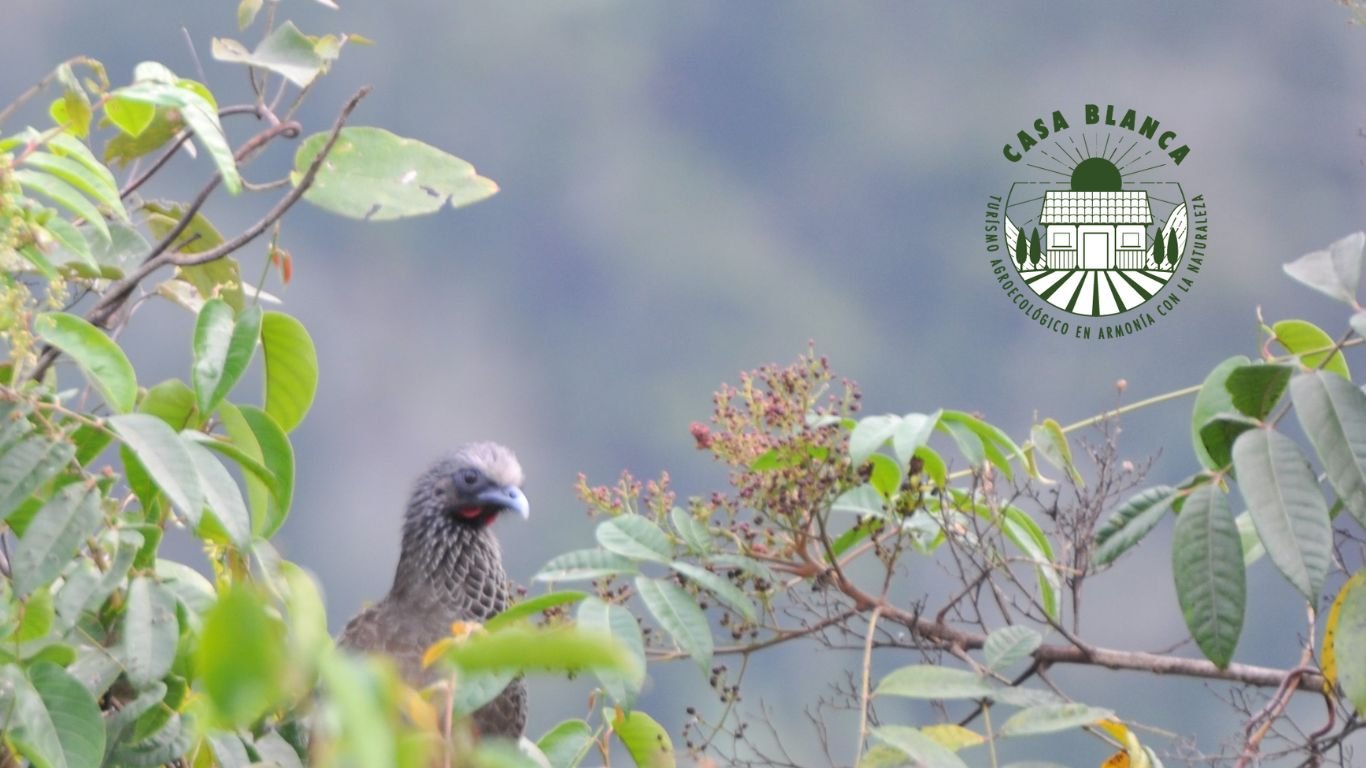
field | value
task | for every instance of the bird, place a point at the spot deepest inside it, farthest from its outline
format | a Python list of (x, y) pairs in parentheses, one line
[(450, 569)]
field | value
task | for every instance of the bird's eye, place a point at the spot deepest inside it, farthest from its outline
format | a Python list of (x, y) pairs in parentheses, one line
[(469, 477)]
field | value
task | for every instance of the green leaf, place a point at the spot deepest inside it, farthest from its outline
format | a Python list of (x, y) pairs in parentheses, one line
[(1051, 718), (1311, 345), (645, 740), (1251, 543), (870, 434), (1212, 400), (25, 467), (223, 348), (1332, 413), (1221, 432), (1334, 271), (1131, 522), (919, 747), (63, 194), (532, 607), (172, 402), (997, 446), (1207, 563), (29, 724), (166, 458), (724, 591), (198, 113), (1051, 443), (861, 500), (130, 116), (355, 697), (123, 148), (933, 466), (54, 537), (231, 520), (911, 434), (677, 612), (229, 751), (246, 12), (266, 491), (1026, 534), (75, 715), (150, 631), (597, 615), (278, 455), (635, 537), (306, 616), (96, 185), (73, 242), (885, 476), (567, 744), (584, 564), (927, 681), (33, 255), (477, 688), (693, 531), (1286, 506), (1009, 644), (884, 756), (100, 359), (375, 175), (291, 366), (1255, 389), (240, 658), (36, 621), (285, 51), (522, 648), (275, 749), (1349, 642)]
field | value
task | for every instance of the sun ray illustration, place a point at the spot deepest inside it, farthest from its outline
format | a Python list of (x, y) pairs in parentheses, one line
[(1080, 156), (1064, 174), (1086, 145), (1106, 148), (1119, 161), (1066, 165), (1070, 164), (1144, 170)]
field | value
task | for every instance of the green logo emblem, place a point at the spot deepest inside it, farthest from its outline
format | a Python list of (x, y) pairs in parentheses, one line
[(1096, 237)]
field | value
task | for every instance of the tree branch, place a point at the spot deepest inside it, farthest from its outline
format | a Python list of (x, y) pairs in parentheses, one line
[(162, 253), (285, 202)]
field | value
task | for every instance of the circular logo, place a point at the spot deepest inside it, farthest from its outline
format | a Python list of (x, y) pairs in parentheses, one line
[(1095, 236)]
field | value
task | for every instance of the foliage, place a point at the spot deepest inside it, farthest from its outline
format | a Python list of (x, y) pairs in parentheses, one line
[(116, 655), (815, 489)]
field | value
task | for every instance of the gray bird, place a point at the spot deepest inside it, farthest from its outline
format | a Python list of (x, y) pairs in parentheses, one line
[(450, 569)]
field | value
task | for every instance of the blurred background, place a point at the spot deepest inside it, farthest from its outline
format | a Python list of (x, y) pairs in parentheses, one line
[(693, 189)]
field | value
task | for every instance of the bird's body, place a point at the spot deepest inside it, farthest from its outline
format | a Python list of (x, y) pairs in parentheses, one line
[(450, 569)]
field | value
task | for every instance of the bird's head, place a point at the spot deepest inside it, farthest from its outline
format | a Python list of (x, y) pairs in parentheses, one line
[(481, 481)]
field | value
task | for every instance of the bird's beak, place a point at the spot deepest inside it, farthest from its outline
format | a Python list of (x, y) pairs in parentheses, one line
[(510, 497)]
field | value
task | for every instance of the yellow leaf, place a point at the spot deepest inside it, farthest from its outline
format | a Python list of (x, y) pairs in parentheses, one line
[(1330, 629), (436, 651), (952, 736), (1119, 759), (1116, 729), (461, 630), (419, 710), (1132, 755)]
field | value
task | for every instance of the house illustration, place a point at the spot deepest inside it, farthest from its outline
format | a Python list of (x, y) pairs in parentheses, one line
[(1096, 224)]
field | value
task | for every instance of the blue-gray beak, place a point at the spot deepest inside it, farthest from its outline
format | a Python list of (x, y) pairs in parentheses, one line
[(510, 497)]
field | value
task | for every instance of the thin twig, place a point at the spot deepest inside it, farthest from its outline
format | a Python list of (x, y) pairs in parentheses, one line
[(285, 202), (863, 689), (118, 293), (142, 178)]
